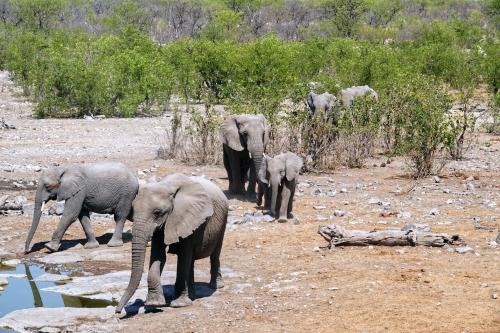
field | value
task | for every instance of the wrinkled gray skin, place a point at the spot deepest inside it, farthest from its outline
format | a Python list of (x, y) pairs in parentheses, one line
[(324, 103), (348, 95), (187, 214), (279, 176), (105, 187), (244, 138)]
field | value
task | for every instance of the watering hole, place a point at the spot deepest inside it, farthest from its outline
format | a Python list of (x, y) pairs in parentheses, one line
[(23, 292)]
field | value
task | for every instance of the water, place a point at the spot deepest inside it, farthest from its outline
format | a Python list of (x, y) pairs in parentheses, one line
[(24, 293)]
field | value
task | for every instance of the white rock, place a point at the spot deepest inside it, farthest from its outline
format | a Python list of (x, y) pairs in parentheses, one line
[(61, 258), (12, 275), (11, 262), (374, 201), (343, 190), (316, 249), (319, 207), (48, 277), (436, 179), (446, 190), (464, 249), (67, 319), (494, 296), (470, 187), (434, 211), (321, 218)]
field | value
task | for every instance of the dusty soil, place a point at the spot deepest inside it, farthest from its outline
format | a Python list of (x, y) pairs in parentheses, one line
[(284, 283)]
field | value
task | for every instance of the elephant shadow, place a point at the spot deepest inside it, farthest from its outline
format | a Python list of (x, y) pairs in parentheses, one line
[(70, 243), (202, 290), (241, 197)]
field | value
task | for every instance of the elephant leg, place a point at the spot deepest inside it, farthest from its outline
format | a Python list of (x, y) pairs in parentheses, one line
[(290, 201), (216, 281), (285, 198), (84, 218), (184, 279), (72, 208), (237, 185), (227, 165), (260, 193), (252, 180), (156, 263), (117, 240)]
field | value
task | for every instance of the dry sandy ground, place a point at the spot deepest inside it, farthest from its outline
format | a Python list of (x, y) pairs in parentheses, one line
[(283, 282)]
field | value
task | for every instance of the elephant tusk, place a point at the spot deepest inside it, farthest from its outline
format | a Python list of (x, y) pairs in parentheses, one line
[(43, 205), (249, 153)]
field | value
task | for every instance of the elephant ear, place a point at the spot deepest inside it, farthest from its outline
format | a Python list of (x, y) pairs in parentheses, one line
[(293, 164), (192, 206), (70, 183), (263, 171), (230, 134)]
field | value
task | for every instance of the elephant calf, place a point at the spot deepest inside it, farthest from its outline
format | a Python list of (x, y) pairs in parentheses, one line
[(105, 187), (187, 214), (278, 176)]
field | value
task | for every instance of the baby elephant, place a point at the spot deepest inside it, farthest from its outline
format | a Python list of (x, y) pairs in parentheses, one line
[(104, 187), (277, 179)]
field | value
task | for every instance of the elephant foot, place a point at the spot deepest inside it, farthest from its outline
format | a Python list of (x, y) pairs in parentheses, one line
[(115, 242), (155, 299), (181, 302), (282, 219), (217, 284), (52, 246), (91, 244), (252, 196)]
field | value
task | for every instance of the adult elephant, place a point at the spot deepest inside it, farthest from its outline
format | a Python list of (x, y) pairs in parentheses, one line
[(105, 187), (324, 103), (187, 214), (244, 138), (349, 95)]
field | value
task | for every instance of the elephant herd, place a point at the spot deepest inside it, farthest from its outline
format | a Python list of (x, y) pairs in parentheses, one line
[(186, 214)]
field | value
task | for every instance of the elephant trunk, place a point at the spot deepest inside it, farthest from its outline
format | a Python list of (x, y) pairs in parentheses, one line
[(275, 184), (256, 149), (140, 236), (39, 201)]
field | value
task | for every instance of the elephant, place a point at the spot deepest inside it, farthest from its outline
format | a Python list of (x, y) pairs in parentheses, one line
[(103, 187), (324, 102), (348, 95), (244, 138), (278, 176), (187, 214)]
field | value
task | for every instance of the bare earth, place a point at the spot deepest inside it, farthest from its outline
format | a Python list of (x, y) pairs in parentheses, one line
[(280, 280)]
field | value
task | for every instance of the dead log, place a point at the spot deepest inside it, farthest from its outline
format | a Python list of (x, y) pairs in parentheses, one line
[(338, 235)]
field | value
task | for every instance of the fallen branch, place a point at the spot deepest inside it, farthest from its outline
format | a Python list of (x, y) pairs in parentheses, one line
[(338, 235)]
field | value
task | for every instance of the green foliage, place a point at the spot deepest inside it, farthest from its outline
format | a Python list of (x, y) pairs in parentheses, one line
[(224, 26), (38, 14), (422, 123)]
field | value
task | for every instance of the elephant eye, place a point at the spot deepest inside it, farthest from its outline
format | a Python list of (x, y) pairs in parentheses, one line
[(157, 212)]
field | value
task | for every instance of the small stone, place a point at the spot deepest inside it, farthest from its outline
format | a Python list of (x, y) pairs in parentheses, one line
[(417, 226), (295, 220), (234, 207), (446, 190), (343, 190), (470, 187), (383, 165), (20, 200), (319, 207), (57, 208), (339, 213), (11, 262), (405, 215), (400, 251), (321, 218), (483, 285), (436, 179), (374, 201), (331, 193), (316, 249), (317, 191), (434, 211), (464, 249), (494, 296), (3, 281)]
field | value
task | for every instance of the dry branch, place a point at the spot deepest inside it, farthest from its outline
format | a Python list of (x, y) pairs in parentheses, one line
[(338, 235)]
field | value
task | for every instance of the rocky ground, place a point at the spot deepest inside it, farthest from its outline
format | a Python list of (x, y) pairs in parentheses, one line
[(279, 276)]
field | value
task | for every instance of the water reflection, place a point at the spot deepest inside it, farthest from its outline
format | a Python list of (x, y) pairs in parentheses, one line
[(24, 293)]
